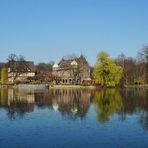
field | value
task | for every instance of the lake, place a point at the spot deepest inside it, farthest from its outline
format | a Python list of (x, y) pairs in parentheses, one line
[(73, 118)]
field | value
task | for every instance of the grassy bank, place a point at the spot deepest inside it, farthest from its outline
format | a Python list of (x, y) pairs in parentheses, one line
[(71, 86)]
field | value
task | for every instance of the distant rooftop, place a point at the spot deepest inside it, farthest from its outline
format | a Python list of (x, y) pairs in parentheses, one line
[(55, 66)]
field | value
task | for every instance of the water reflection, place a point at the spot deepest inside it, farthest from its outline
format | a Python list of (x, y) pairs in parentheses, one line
[(135, 101), (70, 103), (16, 102), (106, 103), (73, 103)]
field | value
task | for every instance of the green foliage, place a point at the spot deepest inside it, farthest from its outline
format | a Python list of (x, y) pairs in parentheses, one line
[(4, 97), (4, 76), (51, 84), (35, 82), (85, 84), (106, 103), (106, 72)]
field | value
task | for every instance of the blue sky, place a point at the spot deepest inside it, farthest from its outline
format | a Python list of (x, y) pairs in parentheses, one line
[(46, 30)]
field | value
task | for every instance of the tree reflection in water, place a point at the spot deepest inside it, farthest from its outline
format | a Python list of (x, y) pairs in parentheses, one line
[(136, 102), (106, 103), (75, 103)]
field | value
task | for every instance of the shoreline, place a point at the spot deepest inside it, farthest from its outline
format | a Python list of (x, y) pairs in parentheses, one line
[(47, 86), (72, 86), (136, 86)]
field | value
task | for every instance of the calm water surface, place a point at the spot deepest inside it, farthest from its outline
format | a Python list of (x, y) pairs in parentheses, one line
[(71, 118)]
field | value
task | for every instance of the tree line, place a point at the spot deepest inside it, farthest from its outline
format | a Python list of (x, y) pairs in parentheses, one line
[(122, 70), (135, 70), (106, 72)]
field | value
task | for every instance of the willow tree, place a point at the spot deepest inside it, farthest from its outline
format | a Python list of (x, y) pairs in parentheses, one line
[(106, 72)]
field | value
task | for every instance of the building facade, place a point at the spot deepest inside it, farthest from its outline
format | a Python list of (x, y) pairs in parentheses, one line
[(20, 71), (73, 71)]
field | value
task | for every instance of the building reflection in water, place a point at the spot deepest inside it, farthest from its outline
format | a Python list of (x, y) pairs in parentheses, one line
[(71, 103), (75, 103), (17, 103)]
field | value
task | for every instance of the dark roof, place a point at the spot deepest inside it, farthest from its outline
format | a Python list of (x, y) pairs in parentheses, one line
[(66, 63), (24, 66)]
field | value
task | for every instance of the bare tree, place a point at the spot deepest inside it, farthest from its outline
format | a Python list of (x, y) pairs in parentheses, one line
[(45, 66), (12, 57), (16, 65), (134, 69), (75, 73), (144, 53), (144, 57), (69, 57)]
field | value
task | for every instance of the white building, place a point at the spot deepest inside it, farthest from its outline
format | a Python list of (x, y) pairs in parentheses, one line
[(20, 71)]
